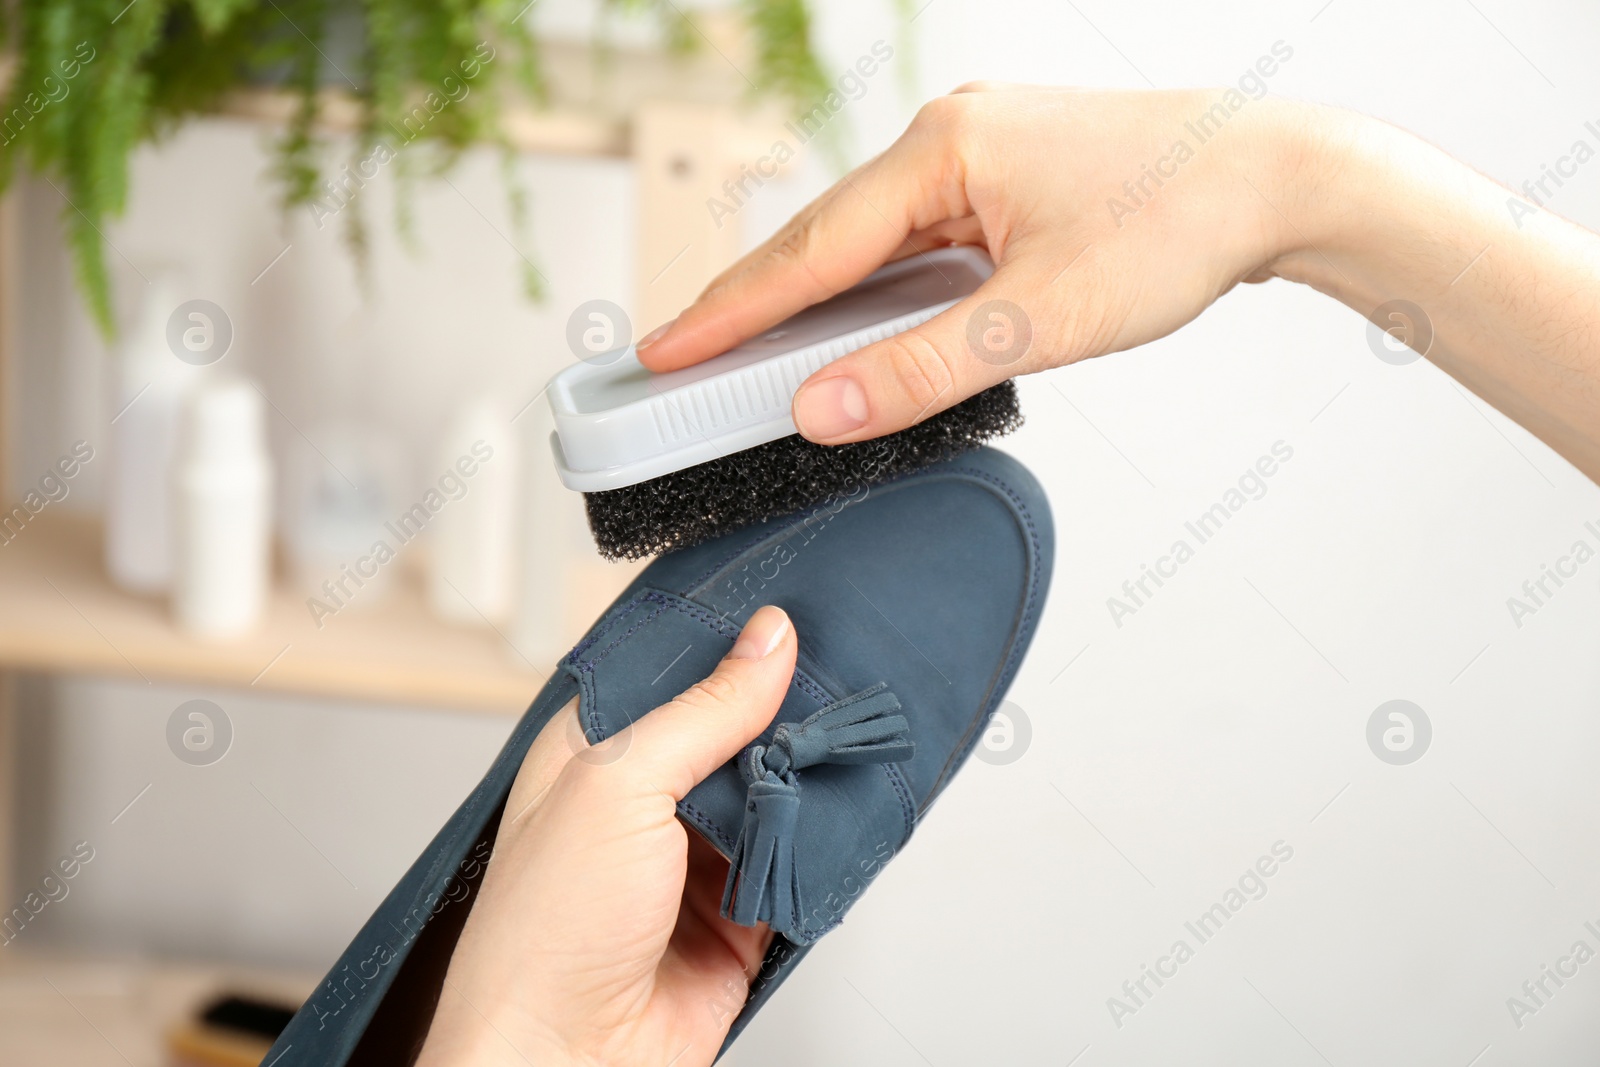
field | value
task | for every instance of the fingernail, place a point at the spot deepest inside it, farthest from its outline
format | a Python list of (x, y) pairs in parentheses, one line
[(829, 408), (762, 634), (654, 335)]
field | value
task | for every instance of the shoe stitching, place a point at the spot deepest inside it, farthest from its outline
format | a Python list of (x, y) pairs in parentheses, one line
[(802, 681), (698, 582), (784, 528), (703, 821), (635, 628), (908, 806), (1024, 625), (719, 624), (669, 601), (766, 986), (605, 626), (1001, 681)]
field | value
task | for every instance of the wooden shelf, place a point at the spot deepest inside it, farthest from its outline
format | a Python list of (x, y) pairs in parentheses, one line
[(559, 131), (73, 1012), (594, 98), (64, 615)]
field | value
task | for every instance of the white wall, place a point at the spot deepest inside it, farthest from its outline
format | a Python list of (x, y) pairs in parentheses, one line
[(276, 853), (1220, 719)]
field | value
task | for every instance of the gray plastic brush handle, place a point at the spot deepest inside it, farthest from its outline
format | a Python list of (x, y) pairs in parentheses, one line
[(617, 424)]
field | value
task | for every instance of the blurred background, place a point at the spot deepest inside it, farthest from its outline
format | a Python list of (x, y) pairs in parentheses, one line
[(236, 747)]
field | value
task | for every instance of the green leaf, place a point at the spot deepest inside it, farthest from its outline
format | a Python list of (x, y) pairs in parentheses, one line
[(94, 79)]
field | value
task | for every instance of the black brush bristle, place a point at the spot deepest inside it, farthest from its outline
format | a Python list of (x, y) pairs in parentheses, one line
[(782, 477)]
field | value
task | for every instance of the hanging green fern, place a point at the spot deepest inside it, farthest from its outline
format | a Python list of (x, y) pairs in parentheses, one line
[(94, 78), (785, 63)]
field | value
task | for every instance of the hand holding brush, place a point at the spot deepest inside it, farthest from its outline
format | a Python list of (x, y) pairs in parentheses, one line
[(1113, 218)]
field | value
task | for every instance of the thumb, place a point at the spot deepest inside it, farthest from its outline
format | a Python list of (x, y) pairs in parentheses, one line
[(899, 381), (676, 746)]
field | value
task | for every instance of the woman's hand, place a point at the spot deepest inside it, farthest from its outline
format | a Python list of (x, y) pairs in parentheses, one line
[(1104, 233), (596, 937), (1116, 217)]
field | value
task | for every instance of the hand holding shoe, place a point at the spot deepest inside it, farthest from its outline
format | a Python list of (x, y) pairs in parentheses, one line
[(596, 937)]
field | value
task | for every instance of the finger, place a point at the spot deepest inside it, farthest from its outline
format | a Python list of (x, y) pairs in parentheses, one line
[(983, 86), (677, 745), (781, 234), (851, 231), (712, 957), (844, 237), (704, 880), (967, 231), (964, 231), (548, 754), (897, 382)]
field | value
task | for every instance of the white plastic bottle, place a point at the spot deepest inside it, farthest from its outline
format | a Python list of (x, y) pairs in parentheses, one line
[(222, 528), (149, 385), (472, 555)]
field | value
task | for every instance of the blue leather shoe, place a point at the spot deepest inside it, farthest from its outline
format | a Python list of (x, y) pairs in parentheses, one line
[(914, 602)]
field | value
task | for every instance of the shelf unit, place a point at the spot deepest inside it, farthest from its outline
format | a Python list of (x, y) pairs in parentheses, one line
[(686, 125), (64, 615)]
